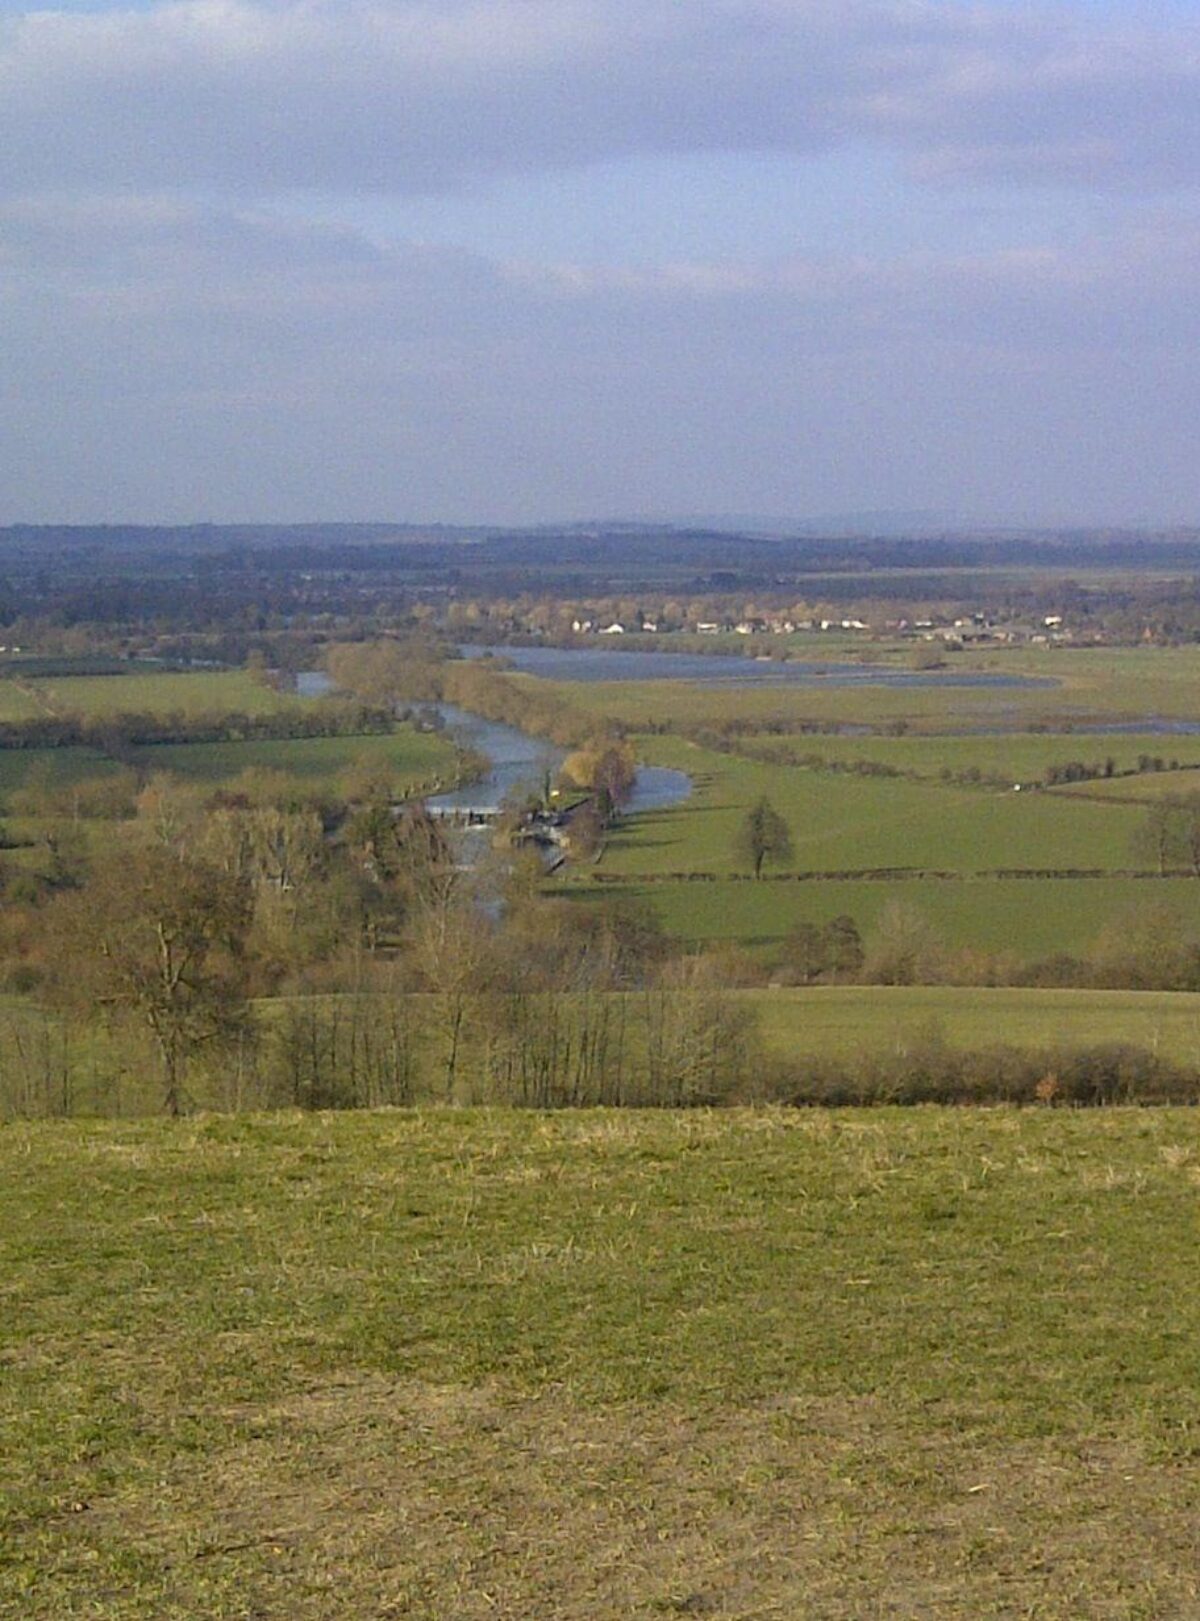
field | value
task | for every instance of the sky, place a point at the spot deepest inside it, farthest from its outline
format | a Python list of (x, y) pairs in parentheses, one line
[(509, 261)]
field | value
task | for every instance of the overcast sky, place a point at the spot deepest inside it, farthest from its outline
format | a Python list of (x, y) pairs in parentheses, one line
[(518, 260)]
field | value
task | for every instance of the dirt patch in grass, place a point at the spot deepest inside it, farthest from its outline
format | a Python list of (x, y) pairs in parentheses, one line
[(369, 1498)]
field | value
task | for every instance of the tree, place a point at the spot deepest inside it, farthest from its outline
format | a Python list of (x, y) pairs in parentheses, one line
[(844, 947), (608, 768), (157, 935), (903, 947), (763, 836), (807, 952), (1162, 836)]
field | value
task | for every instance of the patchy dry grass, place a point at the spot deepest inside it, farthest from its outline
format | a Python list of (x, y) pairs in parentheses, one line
[(479, 1364)]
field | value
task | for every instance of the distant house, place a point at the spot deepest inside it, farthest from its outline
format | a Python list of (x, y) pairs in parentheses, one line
[(706, 627), (650, 624), (614, 629), (581, 625)]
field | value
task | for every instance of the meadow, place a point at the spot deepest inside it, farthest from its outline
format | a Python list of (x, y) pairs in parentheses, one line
[(199, 692), (1083, 686), (1143, 789), (455, 1365), (845, 1021), (408, 757), (1012, 756), (1027, 918), (842, 823)]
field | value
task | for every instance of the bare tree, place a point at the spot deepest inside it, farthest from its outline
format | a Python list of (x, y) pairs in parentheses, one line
[(157, 935)]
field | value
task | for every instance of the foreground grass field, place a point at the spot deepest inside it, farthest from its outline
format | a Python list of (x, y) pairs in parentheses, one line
[(474, 1364)]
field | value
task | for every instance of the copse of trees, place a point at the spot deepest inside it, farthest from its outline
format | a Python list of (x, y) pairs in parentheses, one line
[(607, 768)]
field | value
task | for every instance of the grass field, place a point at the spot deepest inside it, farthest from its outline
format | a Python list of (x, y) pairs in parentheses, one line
[(410, 755), (1030, 918), (843, 823), (1014, 756), (843, 1021), (449, 1366), (1140, 790), (58, 768), (203, 692), (1088, 684)]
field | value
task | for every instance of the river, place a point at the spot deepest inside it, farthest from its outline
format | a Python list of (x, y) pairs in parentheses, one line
[(516, 758)]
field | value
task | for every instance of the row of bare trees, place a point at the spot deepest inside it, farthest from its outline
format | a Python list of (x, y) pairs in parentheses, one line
[(247, 955)]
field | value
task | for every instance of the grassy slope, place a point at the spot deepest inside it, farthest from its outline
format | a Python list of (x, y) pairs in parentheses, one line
[(466, 1365), (843, 1020)]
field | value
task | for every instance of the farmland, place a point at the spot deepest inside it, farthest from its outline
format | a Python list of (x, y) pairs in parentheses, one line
[(1027, 917), (843, 1021), (841, 823), (203, 692), (488, 1364), (1082, 686), (408, 756), (1010, 757)]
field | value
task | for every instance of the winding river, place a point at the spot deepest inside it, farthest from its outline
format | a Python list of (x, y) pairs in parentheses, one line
[(516, 757)]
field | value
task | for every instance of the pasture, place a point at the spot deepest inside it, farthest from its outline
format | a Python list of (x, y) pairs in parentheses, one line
[(201, 692), (1143, 789), (1087, 685), (1013, 756), (841, 823), (455, 1365), (408, 757), (1027, 918), (846, 1021)]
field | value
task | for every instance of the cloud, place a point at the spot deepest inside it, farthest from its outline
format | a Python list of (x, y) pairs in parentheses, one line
[(234, 363), (406, 96)]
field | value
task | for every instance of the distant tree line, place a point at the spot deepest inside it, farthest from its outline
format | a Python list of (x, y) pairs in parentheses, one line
[(111, 733)]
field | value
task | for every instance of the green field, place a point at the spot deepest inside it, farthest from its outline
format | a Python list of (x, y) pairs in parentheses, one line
[(203, 692), (18, 702), (1140, 790), (58, 768), (448, 1366), (1088, 684), (1013, 756), (842, 823), (844, 1021), (411, 756), (1029, 918)]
